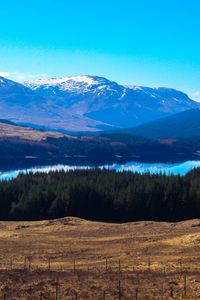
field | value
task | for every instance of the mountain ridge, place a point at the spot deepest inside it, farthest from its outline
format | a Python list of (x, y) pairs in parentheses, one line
[(87, 103)]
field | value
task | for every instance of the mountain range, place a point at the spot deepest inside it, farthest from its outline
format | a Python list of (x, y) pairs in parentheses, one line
[(87, 103)]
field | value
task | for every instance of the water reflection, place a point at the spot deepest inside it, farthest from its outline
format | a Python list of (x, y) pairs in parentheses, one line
[(133, 166)]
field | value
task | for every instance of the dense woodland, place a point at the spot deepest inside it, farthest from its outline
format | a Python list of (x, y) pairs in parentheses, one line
[(124, 144), (101, 195), (105, 146)]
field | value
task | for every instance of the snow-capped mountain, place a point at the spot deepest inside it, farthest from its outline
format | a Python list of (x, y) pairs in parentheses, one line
[(17, 101), (65, 83), (87, 103)]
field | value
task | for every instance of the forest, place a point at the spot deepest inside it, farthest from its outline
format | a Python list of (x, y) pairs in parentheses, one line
[(101, 195), (95, 148)]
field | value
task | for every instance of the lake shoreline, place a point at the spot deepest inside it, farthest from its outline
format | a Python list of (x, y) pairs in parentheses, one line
[(177, 168)]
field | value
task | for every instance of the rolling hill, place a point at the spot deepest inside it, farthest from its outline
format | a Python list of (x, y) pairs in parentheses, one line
[(12, 130), (154, 257), (185, 124)]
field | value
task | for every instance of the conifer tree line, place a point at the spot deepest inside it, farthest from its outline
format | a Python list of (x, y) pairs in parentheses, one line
[(101, 195)]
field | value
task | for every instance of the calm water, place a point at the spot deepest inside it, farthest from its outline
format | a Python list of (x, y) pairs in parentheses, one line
[(153, 168)]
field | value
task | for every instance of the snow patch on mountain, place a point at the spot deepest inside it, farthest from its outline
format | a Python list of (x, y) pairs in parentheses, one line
[(93, 103), (134, 87), (64, 83)]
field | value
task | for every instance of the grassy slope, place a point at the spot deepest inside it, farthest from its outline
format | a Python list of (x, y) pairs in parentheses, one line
[(153, 257), (26, 133)]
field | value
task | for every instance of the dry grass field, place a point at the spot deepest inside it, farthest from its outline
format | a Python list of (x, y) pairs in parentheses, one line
[(76, 259), (26, 133)]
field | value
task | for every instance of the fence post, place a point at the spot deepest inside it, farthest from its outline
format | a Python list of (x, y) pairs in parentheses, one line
[(136, 293), (74, 266), (119, 290), (76, 295), (138, 278), (185, 285), (149, 264), (119, 266), (29, 261), (104, 295), (171, 292), (25, 262), (49, 263), (181, 265), (164, 271), (162, 291), (56, 290)]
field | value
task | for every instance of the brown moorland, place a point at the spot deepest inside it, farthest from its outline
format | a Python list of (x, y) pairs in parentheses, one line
[(72, 258), (26, 133)]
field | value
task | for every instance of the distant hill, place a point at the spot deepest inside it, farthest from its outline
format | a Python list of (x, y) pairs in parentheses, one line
[(11, 130), (3, 121), (21, 143), (86, 103), (185, 124)]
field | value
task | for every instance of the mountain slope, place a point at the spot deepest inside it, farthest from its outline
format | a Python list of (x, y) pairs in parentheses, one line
[(86, 103), (185, 124), (19, 103), (110, 103)]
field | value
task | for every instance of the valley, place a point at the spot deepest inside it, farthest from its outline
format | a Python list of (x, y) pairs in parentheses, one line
[(89, 119), (24, 147), (99, 150)]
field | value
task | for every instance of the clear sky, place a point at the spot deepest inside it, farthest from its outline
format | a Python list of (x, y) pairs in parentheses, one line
[(143, 42)]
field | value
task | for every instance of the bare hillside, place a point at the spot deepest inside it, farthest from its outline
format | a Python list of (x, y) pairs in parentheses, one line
[(78, 259)]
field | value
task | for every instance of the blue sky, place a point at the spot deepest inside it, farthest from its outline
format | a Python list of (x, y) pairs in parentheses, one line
[(146, 42)]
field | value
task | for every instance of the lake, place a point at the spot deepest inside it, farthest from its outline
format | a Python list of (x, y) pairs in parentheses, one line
[(180, 168)]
